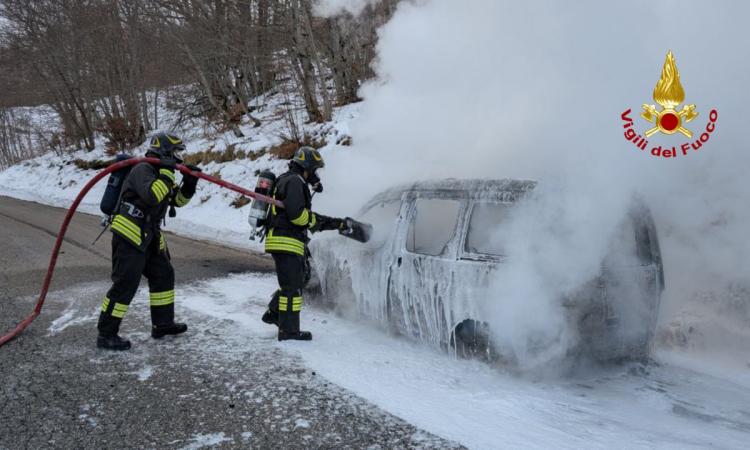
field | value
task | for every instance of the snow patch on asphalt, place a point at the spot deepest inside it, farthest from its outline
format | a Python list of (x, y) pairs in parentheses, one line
[(92, 422), (478, 405), (68, 318), (72, 314), (207, 440), (145, 373), (301, 423)]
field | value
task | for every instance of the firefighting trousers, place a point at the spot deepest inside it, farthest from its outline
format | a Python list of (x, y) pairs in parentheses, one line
[(128, 265), (290, 272)]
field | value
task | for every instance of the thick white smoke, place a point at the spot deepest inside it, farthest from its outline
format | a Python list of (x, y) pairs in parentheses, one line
[(494, 89)]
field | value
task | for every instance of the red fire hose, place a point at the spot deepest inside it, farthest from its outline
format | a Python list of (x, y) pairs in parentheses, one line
[(64, 227)]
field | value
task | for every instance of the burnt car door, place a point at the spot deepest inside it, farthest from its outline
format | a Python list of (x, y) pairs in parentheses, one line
[(421, 273), (482, 252), (353, 276), (630, 288)]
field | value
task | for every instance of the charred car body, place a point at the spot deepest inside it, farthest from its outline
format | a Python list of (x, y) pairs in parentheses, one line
[(429, 260)]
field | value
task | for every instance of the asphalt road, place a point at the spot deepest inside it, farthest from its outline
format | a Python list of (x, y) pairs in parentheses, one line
[(58, 391)]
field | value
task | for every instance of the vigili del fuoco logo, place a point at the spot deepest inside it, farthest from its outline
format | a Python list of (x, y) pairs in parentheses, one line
[(669, 120)]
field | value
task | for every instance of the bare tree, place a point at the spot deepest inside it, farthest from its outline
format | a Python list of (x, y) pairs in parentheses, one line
[(101, 64)]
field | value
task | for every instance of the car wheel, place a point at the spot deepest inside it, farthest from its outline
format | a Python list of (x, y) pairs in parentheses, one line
[(471, 339)]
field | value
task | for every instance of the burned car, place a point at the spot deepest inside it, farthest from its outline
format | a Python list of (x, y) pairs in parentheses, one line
[(430, 258)]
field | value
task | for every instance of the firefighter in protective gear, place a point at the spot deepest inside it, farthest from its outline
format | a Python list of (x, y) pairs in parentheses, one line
[(286, 240), (138, 244)]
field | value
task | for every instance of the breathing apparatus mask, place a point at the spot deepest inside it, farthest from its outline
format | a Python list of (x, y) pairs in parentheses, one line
[(314, 180)]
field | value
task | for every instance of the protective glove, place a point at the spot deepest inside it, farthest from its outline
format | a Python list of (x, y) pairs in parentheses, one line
[(188, 179), (190, 182), (338, 224), (359, 231), (316, 222), (325, 223)]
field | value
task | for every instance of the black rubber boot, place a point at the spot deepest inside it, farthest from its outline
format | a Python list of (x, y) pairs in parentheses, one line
[(108, 325), (108, 338), (289, 327), (295, 336), (159, 331), (271, 317), (112, 343)]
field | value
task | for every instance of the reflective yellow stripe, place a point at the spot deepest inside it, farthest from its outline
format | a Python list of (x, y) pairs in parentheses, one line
[(283, 303), (276, 242), (161, 298), (180, 200), (161, 294), (284, 244), (297, 304), (174, 139), (127, 228), (164, 294), (303, 218), (135, 239), (161, 186), (313, 220), (162, 242), (271, 247), (167, 173), (288, 240), (164, 302), (119, 310), (160, 190), (105, 305), (126, 222)]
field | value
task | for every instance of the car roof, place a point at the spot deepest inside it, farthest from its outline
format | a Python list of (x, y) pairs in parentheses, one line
[(485, 189)]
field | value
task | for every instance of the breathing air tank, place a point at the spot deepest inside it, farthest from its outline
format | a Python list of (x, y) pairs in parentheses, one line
[(114, 186), (259, 208)]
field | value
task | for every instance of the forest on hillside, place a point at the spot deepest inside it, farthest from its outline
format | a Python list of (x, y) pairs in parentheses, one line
[(102, 66)]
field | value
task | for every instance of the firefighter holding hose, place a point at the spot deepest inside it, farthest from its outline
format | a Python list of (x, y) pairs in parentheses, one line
[(138, 244), (287, 238)]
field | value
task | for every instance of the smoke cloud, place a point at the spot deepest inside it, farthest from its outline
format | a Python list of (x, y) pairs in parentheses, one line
[(495, 89)]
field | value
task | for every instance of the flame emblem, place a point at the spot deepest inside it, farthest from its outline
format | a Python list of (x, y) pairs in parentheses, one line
[(669, 94)]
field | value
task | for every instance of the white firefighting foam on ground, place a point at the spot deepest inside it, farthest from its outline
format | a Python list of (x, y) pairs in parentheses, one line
[(474, 404)]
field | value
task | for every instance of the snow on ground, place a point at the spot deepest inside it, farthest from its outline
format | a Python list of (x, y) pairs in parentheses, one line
[(477, 405), (656, 406), (207, 440)]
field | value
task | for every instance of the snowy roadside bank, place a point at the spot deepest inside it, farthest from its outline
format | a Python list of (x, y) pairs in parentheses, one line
[(214, 214), (50, 180)]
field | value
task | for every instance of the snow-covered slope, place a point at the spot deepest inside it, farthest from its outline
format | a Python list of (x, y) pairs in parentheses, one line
[(55, 179)]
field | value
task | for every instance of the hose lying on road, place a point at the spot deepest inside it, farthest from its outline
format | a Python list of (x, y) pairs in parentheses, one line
[(64, 227)]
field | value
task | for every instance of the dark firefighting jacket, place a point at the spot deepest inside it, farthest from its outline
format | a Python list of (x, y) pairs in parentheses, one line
[(288, 227), (147, 193)]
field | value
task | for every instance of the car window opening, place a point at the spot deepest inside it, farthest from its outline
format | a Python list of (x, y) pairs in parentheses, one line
[(432, 226), (486, 235)]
